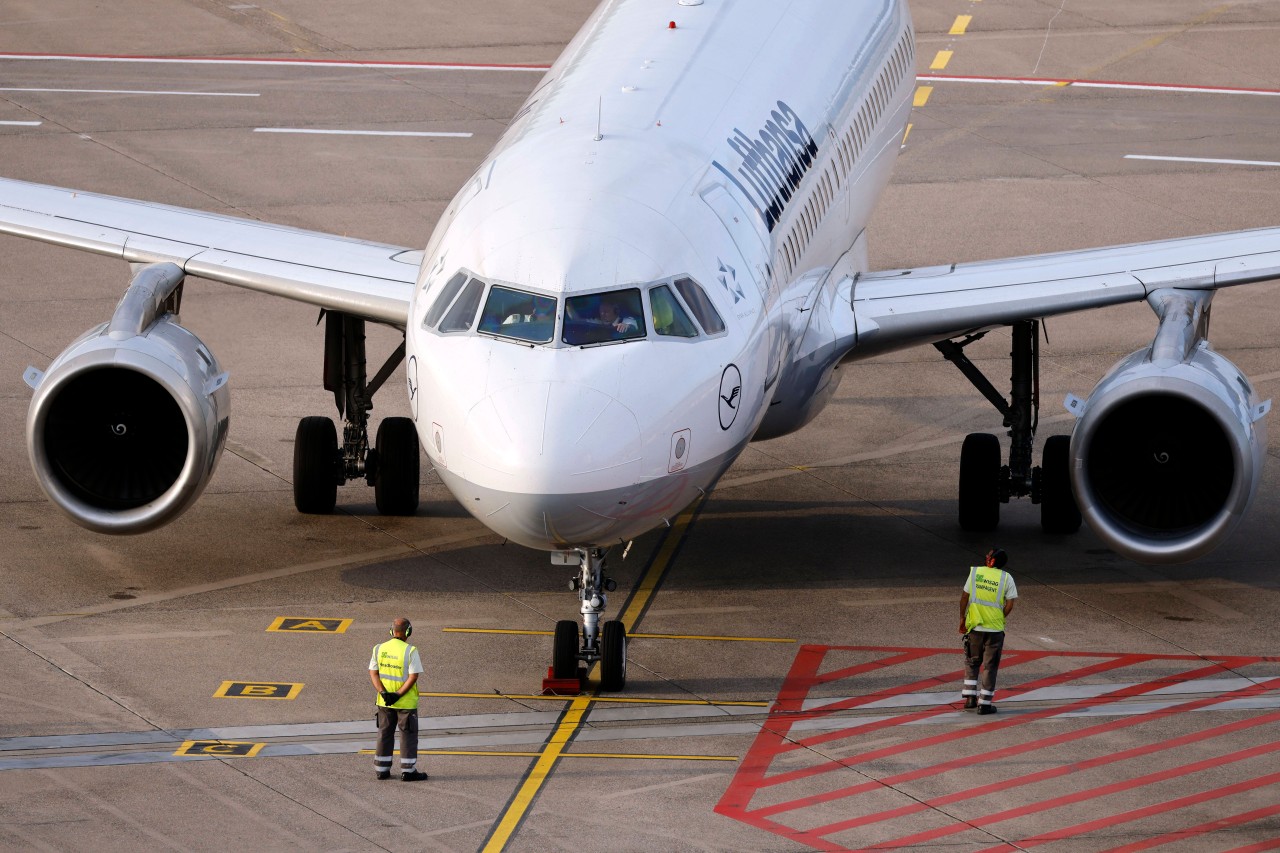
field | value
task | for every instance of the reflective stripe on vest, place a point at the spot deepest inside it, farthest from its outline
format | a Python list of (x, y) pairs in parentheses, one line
[(986, 587), (393, 658)]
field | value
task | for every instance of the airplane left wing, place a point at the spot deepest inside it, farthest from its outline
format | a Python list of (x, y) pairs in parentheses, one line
[(902, 308), (370, 280)]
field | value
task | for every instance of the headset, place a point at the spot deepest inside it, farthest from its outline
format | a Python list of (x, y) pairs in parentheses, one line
[(998, 557), (408, 630)]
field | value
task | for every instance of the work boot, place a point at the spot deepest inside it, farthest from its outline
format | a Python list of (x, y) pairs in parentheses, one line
[(413, 776), (970, 702), (383, 775), (987, 709)]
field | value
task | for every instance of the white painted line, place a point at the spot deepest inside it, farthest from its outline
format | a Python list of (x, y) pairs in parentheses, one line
[(304, 63), (1100, 84), (21, 123), (1203, 160), (133, 92), (361, 132)]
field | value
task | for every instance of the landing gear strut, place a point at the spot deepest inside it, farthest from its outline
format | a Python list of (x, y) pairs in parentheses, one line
[(606, 643), (321, 464), (984, 482)]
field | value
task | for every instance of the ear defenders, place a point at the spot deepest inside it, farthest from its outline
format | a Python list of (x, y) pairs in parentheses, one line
[(408, 630)]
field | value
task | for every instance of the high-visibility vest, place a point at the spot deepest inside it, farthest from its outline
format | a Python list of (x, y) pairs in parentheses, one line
[(986, 587), (393, 658)]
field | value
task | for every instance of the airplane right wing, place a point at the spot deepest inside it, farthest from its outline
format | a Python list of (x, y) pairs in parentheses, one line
[(902, 308)]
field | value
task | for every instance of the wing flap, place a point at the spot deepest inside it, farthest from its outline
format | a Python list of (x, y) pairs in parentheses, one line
[(373, 280), (901, 308)]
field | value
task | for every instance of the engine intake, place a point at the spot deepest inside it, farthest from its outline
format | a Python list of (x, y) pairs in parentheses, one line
[(1168, 452), (127, 425)]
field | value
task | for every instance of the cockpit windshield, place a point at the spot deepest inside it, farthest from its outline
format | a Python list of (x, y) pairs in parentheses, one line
[(603, 317), (517, 314)]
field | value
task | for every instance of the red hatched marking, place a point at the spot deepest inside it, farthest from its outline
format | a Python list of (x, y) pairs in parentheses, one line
[(799, 818)]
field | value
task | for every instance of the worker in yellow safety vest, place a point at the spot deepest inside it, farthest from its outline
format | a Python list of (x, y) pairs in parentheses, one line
[(987, 599), (394, 670)]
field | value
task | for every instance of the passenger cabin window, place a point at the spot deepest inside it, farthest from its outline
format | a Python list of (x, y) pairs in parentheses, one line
[(601, 318), (700, 304), (520, 315), (463, 312), (669, 317)]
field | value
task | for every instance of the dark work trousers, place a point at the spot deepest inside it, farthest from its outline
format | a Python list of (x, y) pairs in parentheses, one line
[(982, 652), (390, 719)]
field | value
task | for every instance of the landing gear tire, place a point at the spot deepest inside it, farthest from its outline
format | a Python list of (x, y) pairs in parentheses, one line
[(564, 650), (395, 482), (1058, 510), (316, 461), (980, 482), (613, 656)]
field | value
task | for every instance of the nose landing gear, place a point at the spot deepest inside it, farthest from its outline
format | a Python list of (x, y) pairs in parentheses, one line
[(605, 643)]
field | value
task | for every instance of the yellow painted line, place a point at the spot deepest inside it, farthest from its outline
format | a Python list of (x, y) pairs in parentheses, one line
[(961, 24), (309, 625), (649, 584), (625, 700), (940, 61), (630, 636), (574, 714), (626, 755), (907, 133), (922, 96), (547, 758)]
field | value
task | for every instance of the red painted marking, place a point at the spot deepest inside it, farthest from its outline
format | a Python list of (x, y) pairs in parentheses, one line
[(776, 739), (1043, 775), (1103, 791), (990, 728), (233, 60), (972, 793), (1160, 808), (1272, 844), (1212, 826)]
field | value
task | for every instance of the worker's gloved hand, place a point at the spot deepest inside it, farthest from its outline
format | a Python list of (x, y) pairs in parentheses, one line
[(390, 697)]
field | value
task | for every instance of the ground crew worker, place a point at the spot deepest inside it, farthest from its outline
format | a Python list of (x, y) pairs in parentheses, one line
[(987, 599), (394, 670)]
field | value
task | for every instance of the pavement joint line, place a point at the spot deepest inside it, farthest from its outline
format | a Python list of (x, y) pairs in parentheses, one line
[(630, 636)]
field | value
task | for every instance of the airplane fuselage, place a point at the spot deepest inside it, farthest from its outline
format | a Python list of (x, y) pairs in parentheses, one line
[(639, 279)]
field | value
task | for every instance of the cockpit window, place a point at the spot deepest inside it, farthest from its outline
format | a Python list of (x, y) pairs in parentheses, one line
[(669, 317), (603, 317), (700, 305), (463, 312), (447, 293), (520, 315)]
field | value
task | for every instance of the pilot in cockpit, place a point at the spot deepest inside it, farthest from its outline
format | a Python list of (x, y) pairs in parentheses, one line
[(611, 315)]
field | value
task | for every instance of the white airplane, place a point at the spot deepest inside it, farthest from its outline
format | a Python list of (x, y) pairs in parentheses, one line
[(663, 258)]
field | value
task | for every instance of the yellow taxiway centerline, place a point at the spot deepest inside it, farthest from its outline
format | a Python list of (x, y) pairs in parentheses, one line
[(630, 636)]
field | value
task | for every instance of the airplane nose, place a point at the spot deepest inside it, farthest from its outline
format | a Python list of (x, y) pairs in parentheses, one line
[(554, 438), (551, 464)]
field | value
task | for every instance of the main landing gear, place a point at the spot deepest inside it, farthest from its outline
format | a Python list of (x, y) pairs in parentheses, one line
[(984, 482), (607, 643), (321, 464)]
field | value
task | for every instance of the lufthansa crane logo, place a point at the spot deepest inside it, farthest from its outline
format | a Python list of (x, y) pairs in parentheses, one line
[(730, 395)]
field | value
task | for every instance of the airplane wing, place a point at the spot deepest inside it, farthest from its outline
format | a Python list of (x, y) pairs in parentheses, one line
[(901, 308), (369, 280)]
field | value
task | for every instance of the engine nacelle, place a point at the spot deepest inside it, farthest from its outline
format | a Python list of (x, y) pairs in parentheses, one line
[(127, 424), (1168, 451)]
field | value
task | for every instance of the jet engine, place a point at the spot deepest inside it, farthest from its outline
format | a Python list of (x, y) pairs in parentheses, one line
[(126, 426), (1168, 451)]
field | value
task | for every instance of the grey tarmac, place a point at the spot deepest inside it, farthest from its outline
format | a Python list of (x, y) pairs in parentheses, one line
[(1136, 703)]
